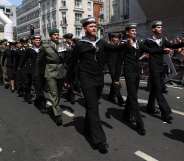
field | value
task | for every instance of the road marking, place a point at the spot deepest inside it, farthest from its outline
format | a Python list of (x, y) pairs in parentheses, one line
[(139, 100), (143, 101), (170, 86), (145, 156), (69, 114), (178, 112)]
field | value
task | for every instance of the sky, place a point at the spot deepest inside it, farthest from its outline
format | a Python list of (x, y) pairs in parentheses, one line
[(15, 2)]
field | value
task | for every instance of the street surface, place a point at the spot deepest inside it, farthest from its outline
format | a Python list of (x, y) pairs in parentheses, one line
[(28, 135)]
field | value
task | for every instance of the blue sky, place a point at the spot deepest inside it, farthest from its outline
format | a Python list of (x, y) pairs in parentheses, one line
[(15, 2)]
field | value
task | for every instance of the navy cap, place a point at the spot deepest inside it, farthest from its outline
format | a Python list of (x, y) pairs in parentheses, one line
[(87, 21), (156, 23), (130, 26), (36, 37)]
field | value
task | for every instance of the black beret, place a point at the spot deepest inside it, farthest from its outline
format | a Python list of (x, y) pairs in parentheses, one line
[(68, 36), (12, 42), (23, 40), (111, 35), (87, 21), (3, 41), (53, 31)]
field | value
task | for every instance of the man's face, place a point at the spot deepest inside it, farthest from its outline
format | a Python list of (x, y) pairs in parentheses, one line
[(132, 33), (37, 42), (91, 29), (115, 40), (157, 30), (18, 45), (55, 37)]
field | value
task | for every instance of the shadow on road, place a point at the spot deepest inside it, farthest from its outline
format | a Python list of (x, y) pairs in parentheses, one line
[(79, 124), (176, 134), (118, 115)]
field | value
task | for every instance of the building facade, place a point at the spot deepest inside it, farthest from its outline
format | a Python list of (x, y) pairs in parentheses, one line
[(119, 12), (64, 15), (28, 13), (10, 11), (98, 10)]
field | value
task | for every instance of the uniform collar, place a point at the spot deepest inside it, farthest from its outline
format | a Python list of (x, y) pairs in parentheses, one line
[(87, 40)]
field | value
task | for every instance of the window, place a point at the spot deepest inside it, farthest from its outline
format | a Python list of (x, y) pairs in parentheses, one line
[(78, 17), (54, 15), (53, 3), (64, 30), (78, 31), (64, 21), (54, 25), (63, 3), (126, 9), (78, 3), (48, 4), (89, 6)]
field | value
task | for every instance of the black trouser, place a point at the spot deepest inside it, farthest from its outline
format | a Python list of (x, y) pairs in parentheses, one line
[(132, 107), (27, 84), (20, 81), (115, 91), (39, 84), (92, 121), (1, 73), (163, 76), (156, 93), (115, 88)]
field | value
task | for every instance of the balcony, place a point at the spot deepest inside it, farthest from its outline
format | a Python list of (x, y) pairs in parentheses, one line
[(63, 8), (78, 9)]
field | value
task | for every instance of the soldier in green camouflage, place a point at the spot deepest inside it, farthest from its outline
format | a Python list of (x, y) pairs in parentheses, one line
[(54, 72)]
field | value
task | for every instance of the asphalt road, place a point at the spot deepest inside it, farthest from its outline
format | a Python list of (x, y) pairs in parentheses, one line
[(28, 135)]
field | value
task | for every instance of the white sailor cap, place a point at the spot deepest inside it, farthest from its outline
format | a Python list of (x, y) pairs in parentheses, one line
[(156, 23), (87, 21)]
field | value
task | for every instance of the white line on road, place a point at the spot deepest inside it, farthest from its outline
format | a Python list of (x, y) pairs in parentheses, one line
[(139, 100), (178, 112), (143, 101), (169, 86), (69, 114), (145, 156)]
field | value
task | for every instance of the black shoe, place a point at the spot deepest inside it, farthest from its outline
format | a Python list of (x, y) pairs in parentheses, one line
[(165, 91), (20, 94), (59, 120), (43, 110), (102, 148), (141, 131), (121, 101), (153, 112), (167, 119), (6, 86), (112, 99), (28, 100), (12, 90), (72, 100)]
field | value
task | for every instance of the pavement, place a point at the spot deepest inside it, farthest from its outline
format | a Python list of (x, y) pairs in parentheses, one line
[(28, 135)]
